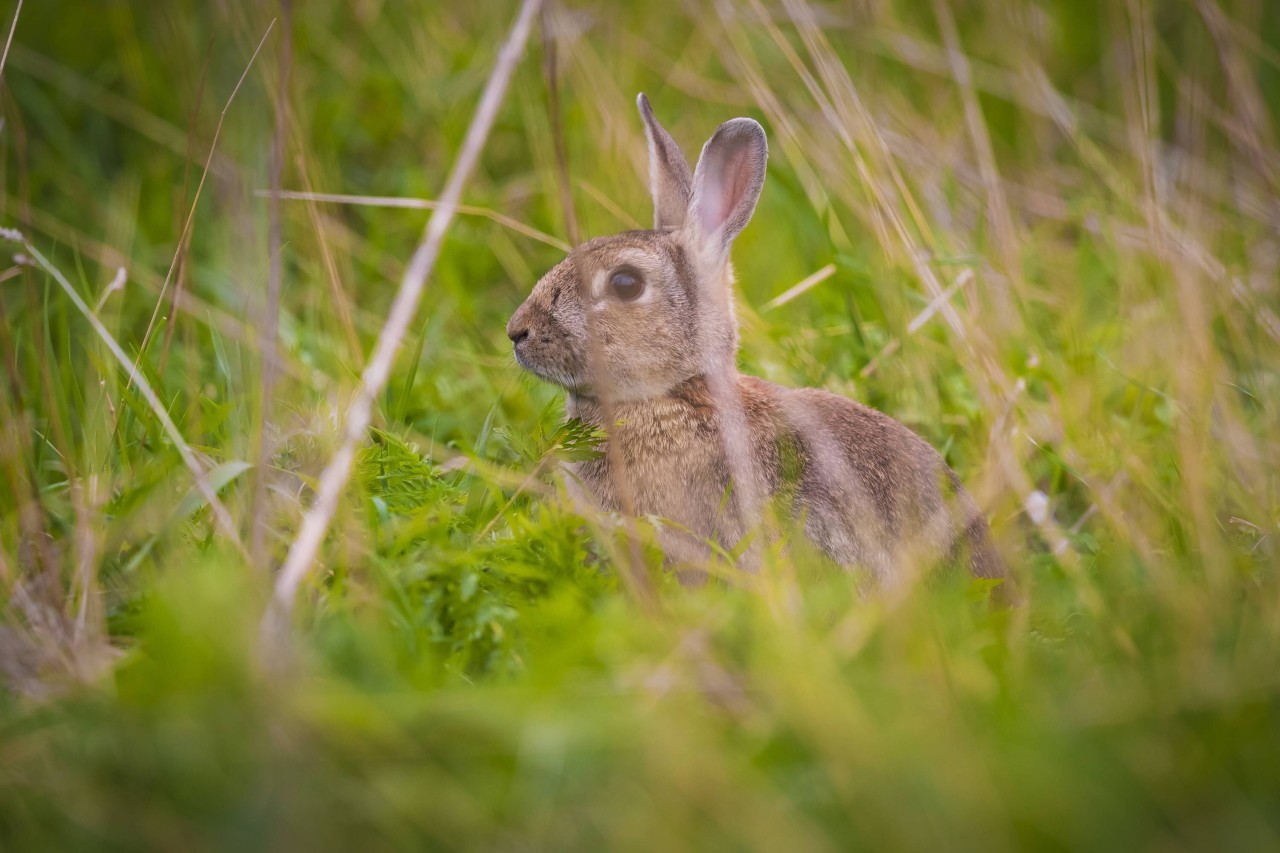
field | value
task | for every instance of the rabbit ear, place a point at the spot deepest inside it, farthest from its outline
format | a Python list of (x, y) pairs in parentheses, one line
[(727, 182), (669, 177)]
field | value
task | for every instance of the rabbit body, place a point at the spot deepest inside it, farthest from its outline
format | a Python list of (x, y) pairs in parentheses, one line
[(870, 492), (640, 329)]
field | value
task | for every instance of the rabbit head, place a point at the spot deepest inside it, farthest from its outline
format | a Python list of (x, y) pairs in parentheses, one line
[(637, 314)]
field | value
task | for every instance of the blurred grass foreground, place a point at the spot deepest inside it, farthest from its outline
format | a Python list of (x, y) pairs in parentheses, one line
[(1045, 234)]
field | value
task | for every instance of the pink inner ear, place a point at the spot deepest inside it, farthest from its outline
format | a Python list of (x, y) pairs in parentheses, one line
[(725, 187), (728, 180)]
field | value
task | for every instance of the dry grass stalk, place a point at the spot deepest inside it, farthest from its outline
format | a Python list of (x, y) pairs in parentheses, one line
[(634, 575), (13, 27), (341, 300), (270, 326), (803, 286), (425, 204), (179, 284), (918, 322), (551, 71), (997, 203), (185, 237)]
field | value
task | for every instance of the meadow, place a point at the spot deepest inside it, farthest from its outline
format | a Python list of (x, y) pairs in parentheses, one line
[(1045, 234)]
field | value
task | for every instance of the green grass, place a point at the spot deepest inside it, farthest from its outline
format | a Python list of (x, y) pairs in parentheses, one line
[(467, 666)]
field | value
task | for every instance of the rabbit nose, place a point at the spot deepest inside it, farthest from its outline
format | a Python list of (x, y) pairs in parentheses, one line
[(518, 326)]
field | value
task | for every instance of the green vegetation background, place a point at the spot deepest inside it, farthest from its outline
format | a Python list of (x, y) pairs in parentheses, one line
[(467, 669)]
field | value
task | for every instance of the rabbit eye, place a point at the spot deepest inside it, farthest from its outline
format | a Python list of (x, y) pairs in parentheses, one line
[(626, 283)]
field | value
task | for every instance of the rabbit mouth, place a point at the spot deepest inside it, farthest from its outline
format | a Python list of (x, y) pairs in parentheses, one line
[(552, 373)]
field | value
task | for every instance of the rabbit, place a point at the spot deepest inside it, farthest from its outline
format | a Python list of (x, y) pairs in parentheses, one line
[(639, 329)]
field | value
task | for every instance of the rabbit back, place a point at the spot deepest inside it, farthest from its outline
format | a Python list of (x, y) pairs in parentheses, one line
[(870, 491)]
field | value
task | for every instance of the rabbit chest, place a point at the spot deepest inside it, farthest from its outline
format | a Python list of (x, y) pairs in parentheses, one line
[(666, 457)]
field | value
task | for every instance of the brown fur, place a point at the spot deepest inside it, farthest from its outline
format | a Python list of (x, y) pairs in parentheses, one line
[(690, 439)]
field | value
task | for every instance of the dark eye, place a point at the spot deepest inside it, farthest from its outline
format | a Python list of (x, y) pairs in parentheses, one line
[(626, 283)]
